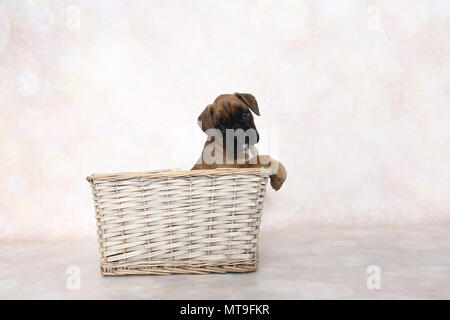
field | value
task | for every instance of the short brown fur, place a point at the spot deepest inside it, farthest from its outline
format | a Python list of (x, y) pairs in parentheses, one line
[(225, 106)]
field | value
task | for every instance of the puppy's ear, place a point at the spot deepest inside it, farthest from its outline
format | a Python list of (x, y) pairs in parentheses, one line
[(205, 119), (249, 100)]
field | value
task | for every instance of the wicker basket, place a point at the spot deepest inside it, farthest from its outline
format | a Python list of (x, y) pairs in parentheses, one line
[(173, 221)]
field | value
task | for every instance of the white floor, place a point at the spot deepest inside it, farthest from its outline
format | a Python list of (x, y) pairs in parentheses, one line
[(294, 264)]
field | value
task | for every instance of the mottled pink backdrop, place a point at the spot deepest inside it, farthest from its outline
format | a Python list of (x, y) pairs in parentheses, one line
[(357, 91)]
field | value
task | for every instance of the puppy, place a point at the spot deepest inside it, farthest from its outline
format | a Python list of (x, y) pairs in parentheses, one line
[(232, 134)]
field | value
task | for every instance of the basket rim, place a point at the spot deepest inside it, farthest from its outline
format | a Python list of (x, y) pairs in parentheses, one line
[(172, 173)]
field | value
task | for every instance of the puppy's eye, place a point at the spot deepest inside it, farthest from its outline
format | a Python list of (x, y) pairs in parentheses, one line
[(220, 125), (246, 114)]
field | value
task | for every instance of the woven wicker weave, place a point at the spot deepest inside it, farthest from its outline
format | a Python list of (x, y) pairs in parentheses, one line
[(172, 221)]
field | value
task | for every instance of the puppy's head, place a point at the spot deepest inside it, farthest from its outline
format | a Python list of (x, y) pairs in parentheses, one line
[(230, 117)]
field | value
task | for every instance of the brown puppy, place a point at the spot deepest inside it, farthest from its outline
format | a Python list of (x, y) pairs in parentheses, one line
[(232, 133)]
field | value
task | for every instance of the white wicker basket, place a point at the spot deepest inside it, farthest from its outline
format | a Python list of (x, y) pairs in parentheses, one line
[(172, 221)]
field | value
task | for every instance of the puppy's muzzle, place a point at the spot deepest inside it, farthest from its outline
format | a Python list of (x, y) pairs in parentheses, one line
[(240, 139)]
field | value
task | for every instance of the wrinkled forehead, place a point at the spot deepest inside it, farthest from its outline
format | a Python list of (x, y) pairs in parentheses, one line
[(227, 105)]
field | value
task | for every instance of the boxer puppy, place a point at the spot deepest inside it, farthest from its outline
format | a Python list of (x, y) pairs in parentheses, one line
[(232, 134)]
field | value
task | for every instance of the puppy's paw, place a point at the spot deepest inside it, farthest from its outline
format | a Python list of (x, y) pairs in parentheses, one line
[(277, 180)]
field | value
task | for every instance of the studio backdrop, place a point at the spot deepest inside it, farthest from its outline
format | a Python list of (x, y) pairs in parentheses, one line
[(353, 95)]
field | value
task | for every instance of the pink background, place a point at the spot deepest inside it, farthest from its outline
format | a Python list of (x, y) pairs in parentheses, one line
[(357, 92)]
